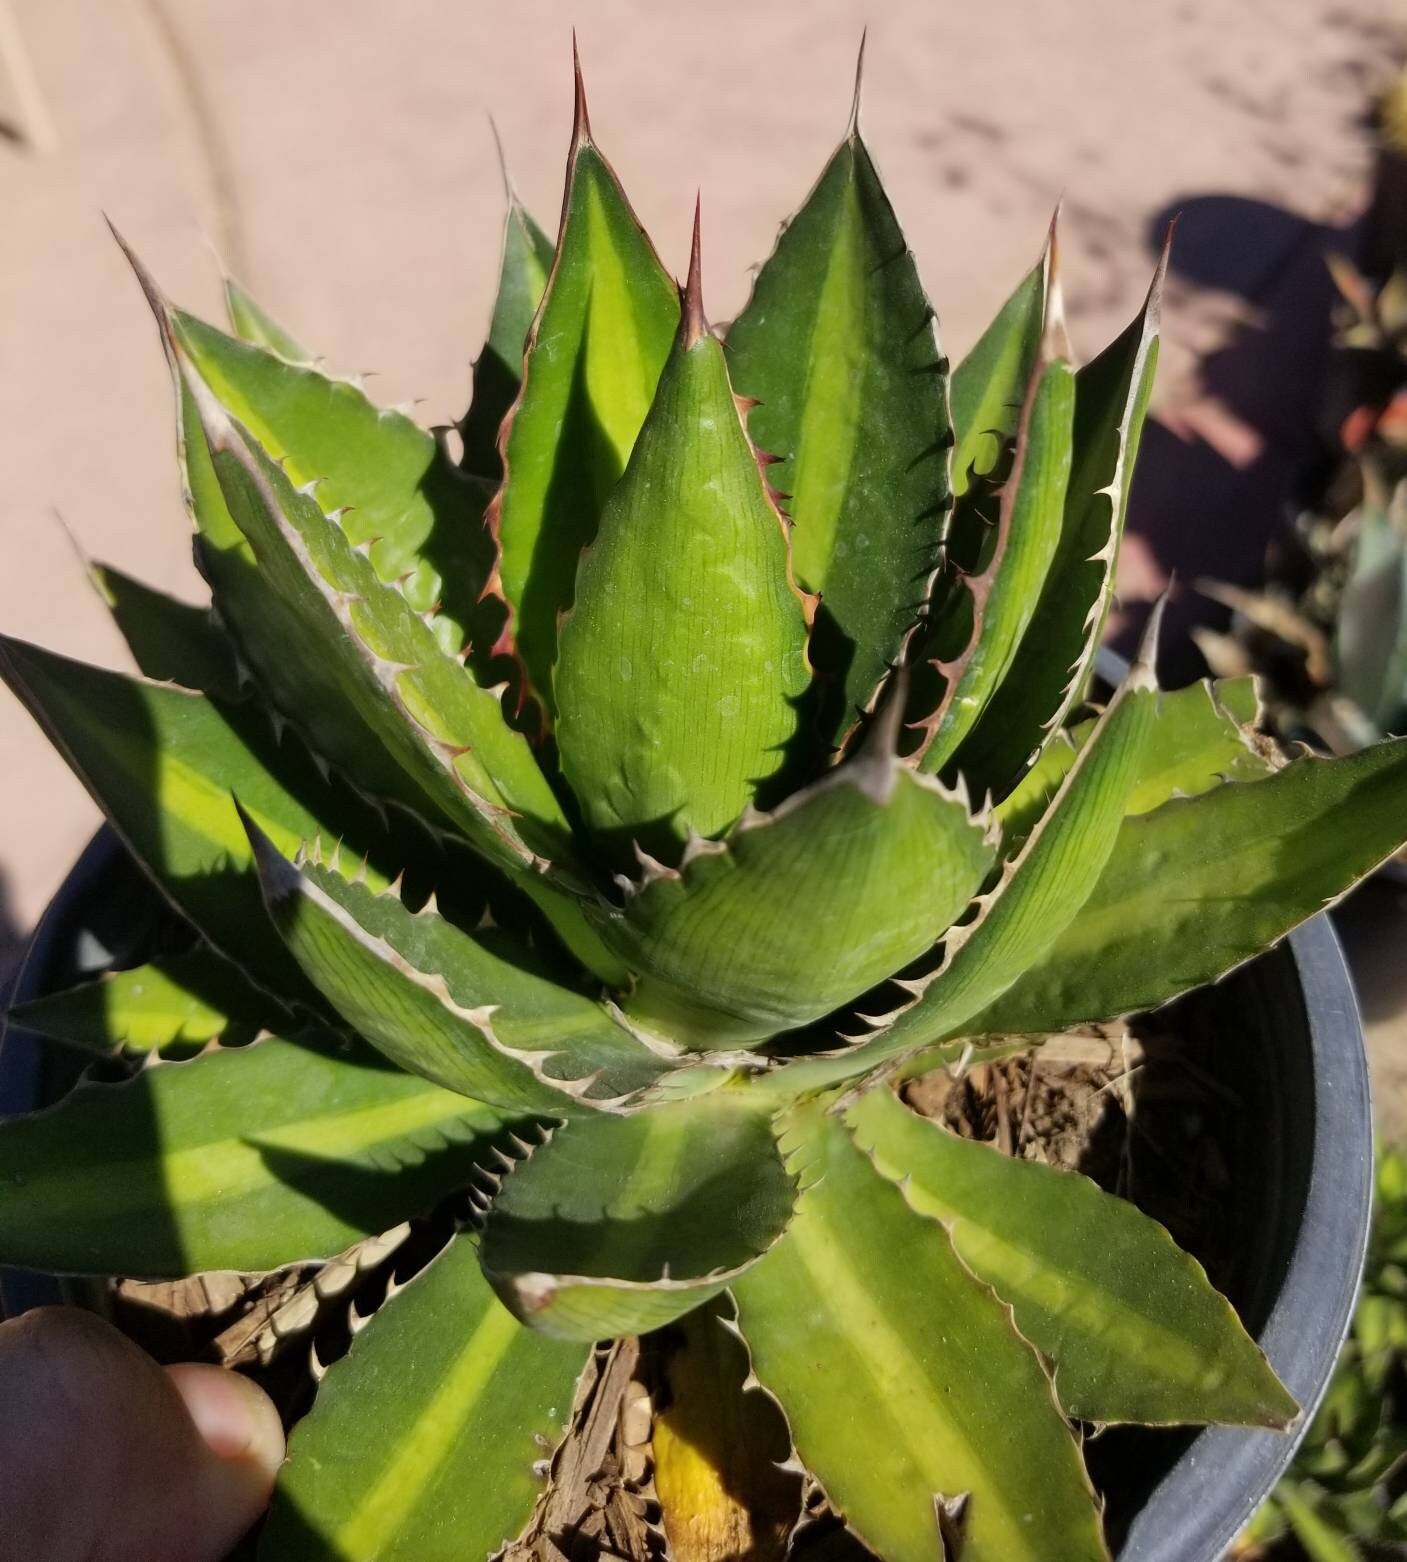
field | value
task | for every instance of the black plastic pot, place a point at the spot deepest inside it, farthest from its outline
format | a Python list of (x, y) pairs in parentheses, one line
[(1289, 1046), (1294, 1056), (104, 913)]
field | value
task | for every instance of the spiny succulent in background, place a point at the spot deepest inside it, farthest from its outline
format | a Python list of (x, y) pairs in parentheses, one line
[(599, 844), (1330, 627), (1344, 1499)]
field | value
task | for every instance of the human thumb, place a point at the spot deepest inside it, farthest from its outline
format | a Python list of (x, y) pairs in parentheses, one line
[(109, 1458)]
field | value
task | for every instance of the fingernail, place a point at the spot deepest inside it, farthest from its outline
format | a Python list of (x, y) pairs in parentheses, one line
[(235, 1417)]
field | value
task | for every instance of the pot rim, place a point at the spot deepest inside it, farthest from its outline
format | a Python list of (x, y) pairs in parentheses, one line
[(1189, 1517), (1200, 1506)]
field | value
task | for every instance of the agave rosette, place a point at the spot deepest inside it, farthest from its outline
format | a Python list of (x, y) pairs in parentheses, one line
[(600, 826)]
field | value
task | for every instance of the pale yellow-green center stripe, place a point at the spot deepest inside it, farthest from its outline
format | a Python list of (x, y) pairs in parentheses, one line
[(224, 1169), (833, 398), (379, 1517), (617, 377), (901, 1384)]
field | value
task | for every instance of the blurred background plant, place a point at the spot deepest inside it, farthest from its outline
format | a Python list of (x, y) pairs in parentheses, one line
[(1345, 1498), (1329, 627)]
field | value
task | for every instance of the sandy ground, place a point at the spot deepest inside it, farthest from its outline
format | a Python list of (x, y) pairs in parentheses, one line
[(337, 153)]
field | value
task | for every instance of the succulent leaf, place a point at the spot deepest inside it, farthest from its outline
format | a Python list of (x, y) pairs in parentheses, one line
[(524, 267), (1044, 885), (1203, 735), (875, 1338), (593, 359), (989, 386), (684, 655), (447, 734), (796, 912), (1370, 636), (399, 497), (170, 641), (997, 601), (276, 1153), (1056, 654), (425, 1441), (407, 505), (473, 1018), (837, 344), (1013, 924), (1196, 887), (1131, 1323), (618, 1225), (258, 622), (176, 1002), (1314, 1528), (162, 763), (252, 323)]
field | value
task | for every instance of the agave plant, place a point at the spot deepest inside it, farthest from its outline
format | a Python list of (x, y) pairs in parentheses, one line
[(591, 840)]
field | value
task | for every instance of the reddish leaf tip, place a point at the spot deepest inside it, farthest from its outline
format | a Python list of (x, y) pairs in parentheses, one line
[(1055, 338), (1051, 256), (692, 323), (154, 296), (581, 120), (1160, 273)]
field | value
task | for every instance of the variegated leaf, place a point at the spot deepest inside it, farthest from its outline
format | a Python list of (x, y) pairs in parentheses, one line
[(401, 500), (252, 323), (162, 763), (249, 1159), (910, 1395), (991, 607), (175, 1003), (1056, 654), (170, 641), (795, 912), (474, 1016), (1200, 885), (426, 1442), (1131, 1324), (619, 1224), (989, 386), (837, 345), (1204, 734), (594, 355), (404, 502), (447, 734), (524, 266), (684, 653), (1039, 893)]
